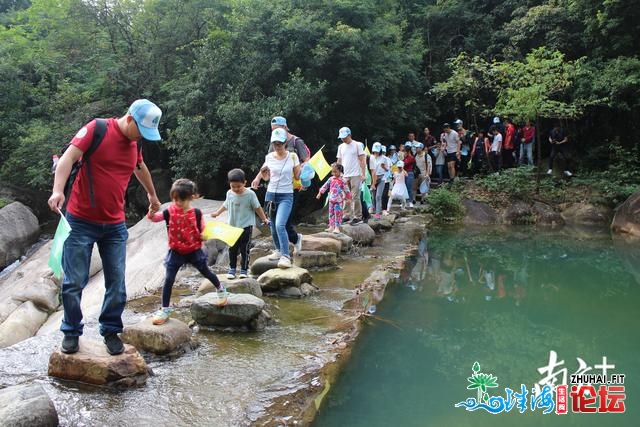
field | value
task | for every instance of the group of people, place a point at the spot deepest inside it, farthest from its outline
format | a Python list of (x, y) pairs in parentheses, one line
[(94, 205), (502, 145)]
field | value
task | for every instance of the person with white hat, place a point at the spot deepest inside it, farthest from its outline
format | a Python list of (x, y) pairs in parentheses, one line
[(378, 164), (351, 156), (95, 212)]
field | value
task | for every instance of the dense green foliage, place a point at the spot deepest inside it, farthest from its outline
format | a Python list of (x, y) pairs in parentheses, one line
[(220, 70), (445, 205)]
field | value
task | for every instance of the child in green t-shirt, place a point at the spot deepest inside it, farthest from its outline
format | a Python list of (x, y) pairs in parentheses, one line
[(242, 204)]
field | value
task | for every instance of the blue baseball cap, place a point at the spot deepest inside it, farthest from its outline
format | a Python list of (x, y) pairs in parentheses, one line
[(344, 132), (147, 117), (279, 135), (279, 121)]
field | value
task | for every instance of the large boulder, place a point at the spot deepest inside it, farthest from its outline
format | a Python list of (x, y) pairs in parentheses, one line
[(240, 310), (627, 217), (45, 294), (360, 233), (546, 215), (236, 286), (324, 244), (518, 212), (315, 259), (478, 213), (278, 278), (171, 337), (346, 242), (27, 405), (586, 214), (23, 323), (92, 364), (19, 229)]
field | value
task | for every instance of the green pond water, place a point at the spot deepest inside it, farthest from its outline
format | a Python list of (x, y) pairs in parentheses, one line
[(504, 299)]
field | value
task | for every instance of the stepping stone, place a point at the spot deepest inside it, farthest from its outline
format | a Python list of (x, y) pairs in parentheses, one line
[(278, 278), (27, 405), (263, 264), (92, 364), (236, 286), (360, 233), (311, 259), (170, 337), (380, 224), (240, 310), (324, 244), (344, 240)]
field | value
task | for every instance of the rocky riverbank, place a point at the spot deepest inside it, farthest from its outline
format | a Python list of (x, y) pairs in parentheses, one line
[(340, 289)]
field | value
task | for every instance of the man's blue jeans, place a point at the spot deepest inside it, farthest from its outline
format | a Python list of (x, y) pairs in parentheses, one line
[(76, 256), (284, 203)]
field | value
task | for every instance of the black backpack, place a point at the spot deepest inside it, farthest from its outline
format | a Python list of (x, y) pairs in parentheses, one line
[(166, 215), (98, 135)]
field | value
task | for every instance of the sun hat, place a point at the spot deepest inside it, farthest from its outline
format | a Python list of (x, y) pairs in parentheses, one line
[(376, 147), (147, 116)]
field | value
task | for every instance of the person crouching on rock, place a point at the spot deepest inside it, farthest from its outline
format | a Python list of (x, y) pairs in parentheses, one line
[(184, 228), (243, 205)]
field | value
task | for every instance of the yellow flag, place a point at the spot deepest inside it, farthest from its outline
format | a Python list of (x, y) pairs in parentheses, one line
[(320, 165), (366, 151), (222, 231)]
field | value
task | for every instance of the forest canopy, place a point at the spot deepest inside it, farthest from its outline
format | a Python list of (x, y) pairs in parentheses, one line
[(220, 70)]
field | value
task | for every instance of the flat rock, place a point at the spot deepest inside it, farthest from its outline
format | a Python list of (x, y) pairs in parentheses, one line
[(255, 253), (360, 233), (344, 240), (170, 337), (380, 224), (313, 242), (236, 286), (546, 215), (263, 264), (586, 214), (240, 310), (92, 364), (311, 259), (275, 279), (27, 405)]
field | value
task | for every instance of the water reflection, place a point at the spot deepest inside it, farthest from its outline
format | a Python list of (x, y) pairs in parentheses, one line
[(504, 299)]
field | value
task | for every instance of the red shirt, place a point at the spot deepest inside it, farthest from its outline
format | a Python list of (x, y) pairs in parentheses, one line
[(528, 133), (509, 135), (409, 162), (112, 165), (184, 236)]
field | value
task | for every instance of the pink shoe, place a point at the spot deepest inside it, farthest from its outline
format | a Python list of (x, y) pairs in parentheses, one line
[(377, 216)]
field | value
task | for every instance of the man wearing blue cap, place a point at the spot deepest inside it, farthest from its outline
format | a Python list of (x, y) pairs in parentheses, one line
[(95, 212), (293, 144)]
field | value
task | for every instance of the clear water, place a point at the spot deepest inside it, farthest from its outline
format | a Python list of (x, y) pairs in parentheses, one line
[(573, 294)]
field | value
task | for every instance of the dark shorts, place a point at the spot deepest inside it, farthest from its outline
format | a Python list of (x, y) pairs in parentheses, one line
[(451, 158), (197, 258)]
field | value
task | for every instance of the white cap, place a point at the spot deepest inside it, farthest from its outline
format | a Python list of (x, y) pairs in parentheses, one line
[(279, 135), (496, 119)]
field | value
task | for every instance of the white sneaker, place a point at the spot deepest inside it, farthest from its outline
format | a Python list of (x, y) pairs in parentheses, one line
[(284, 262), (231, 276), (298, 245), (275, 255), (550, 171), (567, 173), (410, 205)]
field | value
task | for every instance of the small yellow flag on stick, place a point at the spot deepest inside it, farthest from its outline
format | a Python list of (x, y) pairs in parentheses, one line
[(221, 231), (319, 164)]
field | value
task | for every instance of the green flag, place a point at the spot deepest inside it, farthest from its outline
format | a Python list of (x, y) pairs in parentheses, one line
[(55, 257)]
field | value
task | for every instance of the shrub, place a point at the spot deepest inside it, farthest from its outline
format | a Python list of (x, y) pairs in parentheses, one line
[(444, 205)]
